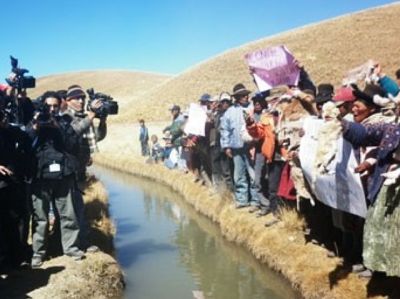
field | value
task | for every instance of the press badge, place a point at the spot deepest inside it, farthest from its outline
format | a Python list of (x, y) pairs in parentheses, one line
[(55, 167)]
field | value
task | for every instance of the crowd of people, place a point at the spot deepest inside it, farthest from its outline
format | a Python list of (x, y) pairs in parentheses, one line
[(45, 148), (250, 144)]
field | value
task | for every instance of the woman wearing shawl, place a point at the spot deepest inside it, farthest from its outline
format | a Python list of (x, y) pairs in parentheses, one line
[(377, 140)]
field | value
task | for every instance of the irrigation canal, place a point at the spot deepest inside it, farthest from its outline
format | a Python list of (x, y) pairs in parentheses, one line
[(167, 250)]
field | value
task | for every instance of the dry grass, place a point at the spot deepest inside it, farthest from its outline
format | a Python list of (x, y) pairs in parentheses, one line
[(282, 247), (102, 229), (98, 276), (328, 50)]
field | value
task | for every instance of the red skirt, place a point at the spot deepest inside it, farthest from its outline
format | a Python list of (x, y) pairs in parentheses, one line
[(286, 188)]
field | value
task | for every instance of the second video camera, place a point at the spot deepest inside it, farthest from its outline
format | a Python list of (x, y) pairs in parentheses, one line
[(108, 105), (18, 79)]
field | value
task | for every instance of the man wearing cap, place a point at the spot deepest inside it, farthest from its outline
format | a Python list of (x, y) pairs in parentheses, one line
[(175, 128), (83, 124), (89, 135), (344, 100), (233, 143)]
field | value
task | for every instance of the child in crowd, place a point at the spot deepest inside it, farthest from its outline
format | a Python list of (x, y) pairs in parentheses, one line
[(157, 151)]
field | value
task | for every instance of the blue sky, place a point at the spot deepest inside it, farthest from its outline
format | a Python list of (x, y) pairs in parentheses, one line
[(56, 36)]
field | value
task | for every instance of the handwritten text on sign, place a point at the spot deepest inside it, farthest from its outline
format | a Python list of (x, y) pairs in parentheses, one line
[(272, 67)]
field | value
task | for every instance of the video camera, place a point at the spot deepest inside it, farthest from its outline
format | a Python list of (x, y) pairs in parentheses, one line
[(108, 107), (18, 79)]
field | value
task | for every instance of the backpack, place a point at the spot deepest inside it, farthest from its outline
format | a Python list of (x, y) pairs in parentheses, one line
[(52, 160)]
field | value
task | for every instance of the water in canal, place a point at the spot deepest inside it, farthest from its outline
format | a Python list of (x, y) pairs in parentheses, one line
[(167, 250)]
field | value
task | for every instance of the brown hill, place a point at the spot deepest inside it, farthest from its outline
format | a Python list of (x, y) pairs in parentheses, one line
[(327, 50), (126, 87)]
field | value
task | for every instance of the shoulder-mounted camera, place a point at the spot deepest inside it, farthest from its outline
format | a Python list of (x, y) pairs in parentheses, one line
[(108, 105)]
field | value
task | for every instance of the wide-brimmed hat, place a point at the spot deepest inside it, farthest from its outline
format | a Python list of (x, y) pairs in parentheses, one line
[(225, 96), (205, 97), (324, 93), (367, 95), (75, 92), (240, 90)]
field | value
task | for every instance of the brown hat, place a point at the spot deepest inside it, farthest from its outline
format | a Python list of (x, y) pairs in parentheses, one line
[(277, 92), (240, 90)]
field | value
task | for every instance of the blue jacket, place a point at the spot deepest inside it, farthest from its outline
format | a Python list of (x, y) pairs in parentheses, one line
[(232, 124), (386, 136), (389, 85), (144, 134)]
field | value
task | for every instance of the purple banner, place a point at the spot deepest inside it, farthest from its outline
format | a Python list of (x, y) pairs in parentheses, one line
[(272, 67)]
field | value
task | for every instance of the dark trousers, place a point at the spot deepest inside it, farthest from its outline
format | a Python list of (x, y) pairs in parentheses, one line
[(201, 153), (274, 171), (145, 148), (221, 167), (79, 207), (256, 188), (14, 224)]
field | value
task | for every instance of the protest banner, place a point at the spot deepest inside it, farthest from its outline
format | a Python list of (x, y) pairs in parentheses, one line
[(340, 187), (196, 121), (272, 67)]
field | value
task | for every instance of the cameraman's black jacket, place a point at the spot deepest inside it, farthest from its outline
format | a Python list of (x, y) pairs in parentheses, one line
[(82, 125), (55, 149), (15, 154)]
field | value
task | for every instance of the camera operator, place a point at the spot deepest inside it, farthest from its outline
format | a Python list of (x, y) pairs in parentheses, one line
[(83, 124), (89, 135), (19, 104), (55, 146), (15, 159)]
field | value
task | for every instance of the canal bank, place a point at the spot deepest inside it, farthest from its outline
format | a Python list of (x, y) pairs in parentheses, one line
[(282, 247), (97, 276)]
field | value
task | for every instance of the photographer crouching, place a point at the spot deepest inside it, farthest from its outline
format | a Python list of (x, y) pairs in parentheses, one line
[(55, 146), (89, 135)]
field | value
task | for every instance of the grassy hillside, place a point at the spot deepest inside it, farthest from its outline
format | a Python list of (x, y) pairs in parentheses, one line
[(327, 49), (127, 87)]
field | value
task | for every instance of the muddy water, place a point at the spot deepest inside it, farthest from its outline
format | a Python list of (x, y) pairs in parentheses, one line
[(167, 250)]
